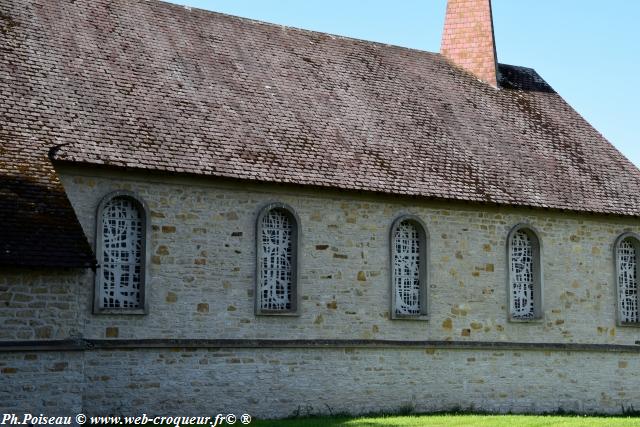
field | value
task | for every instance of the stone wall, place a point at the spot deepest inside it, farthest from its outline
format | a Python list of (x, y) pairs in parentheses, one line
[(203, 265), (202, 287), (278, 383), (282, 382), (50, 383), (41, 304)]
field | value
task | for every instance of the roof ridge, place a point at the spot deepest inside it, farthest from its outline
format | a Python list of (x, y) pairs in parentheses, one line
[(293, 28)]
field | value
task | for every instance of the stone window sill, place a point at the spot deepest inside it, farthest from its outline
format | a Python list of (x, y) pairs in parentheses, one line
[(121, 311), (629, 324), (534, 321), (422, 318), (278, 314)]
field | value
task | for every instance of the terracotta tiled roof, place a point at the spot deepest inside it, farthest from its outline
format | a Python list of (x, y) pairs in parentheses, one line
[(150, 85)]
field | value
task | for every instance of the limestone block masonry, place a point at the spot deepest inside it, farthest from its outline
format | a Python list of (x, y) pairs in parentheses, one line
[(201, 286)]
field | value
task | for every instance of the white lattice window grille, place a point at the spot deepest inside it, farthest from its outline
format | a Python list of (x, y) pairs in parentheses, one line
[(122, 257), (275, 284), (522, 276), (407, 272), (627, 282)]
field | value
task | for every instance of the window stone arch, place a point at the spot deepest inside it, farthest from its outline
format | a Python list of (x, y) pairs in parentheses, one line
[(277, 266), (409, 243), (122, 243), (524, 272), (626, 252)]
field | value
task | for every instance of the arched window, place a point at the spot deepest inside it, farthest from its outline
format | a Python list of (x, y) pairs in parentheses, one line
[(408, 269), (277, 267), (525, 274), (121, 251), (626, 256)]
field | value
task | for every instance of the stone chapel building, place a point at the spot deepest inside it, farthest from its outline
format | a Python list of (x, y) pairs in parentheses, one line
[(203, 213)]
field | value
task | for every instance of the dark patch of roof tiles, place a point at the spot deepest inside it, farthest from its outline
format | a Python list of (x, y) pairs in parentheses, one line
[(39, 226), (150, 85)]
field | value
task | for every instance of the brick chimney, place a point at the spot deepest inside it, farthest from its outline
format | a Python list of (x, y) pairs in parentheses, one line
[(468, 40)]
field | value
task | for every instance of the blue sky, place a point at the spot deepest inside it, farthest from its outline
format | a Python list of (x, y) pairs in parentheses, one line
[(588, 50)]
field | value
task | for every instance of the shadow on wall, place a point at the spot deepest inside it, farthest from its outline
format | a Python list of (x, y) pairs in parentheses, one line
[(36, 215)]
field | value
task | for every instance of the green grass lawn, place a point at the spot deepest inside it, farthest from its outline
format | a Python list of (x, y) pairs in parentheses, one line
[(453, 420)]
